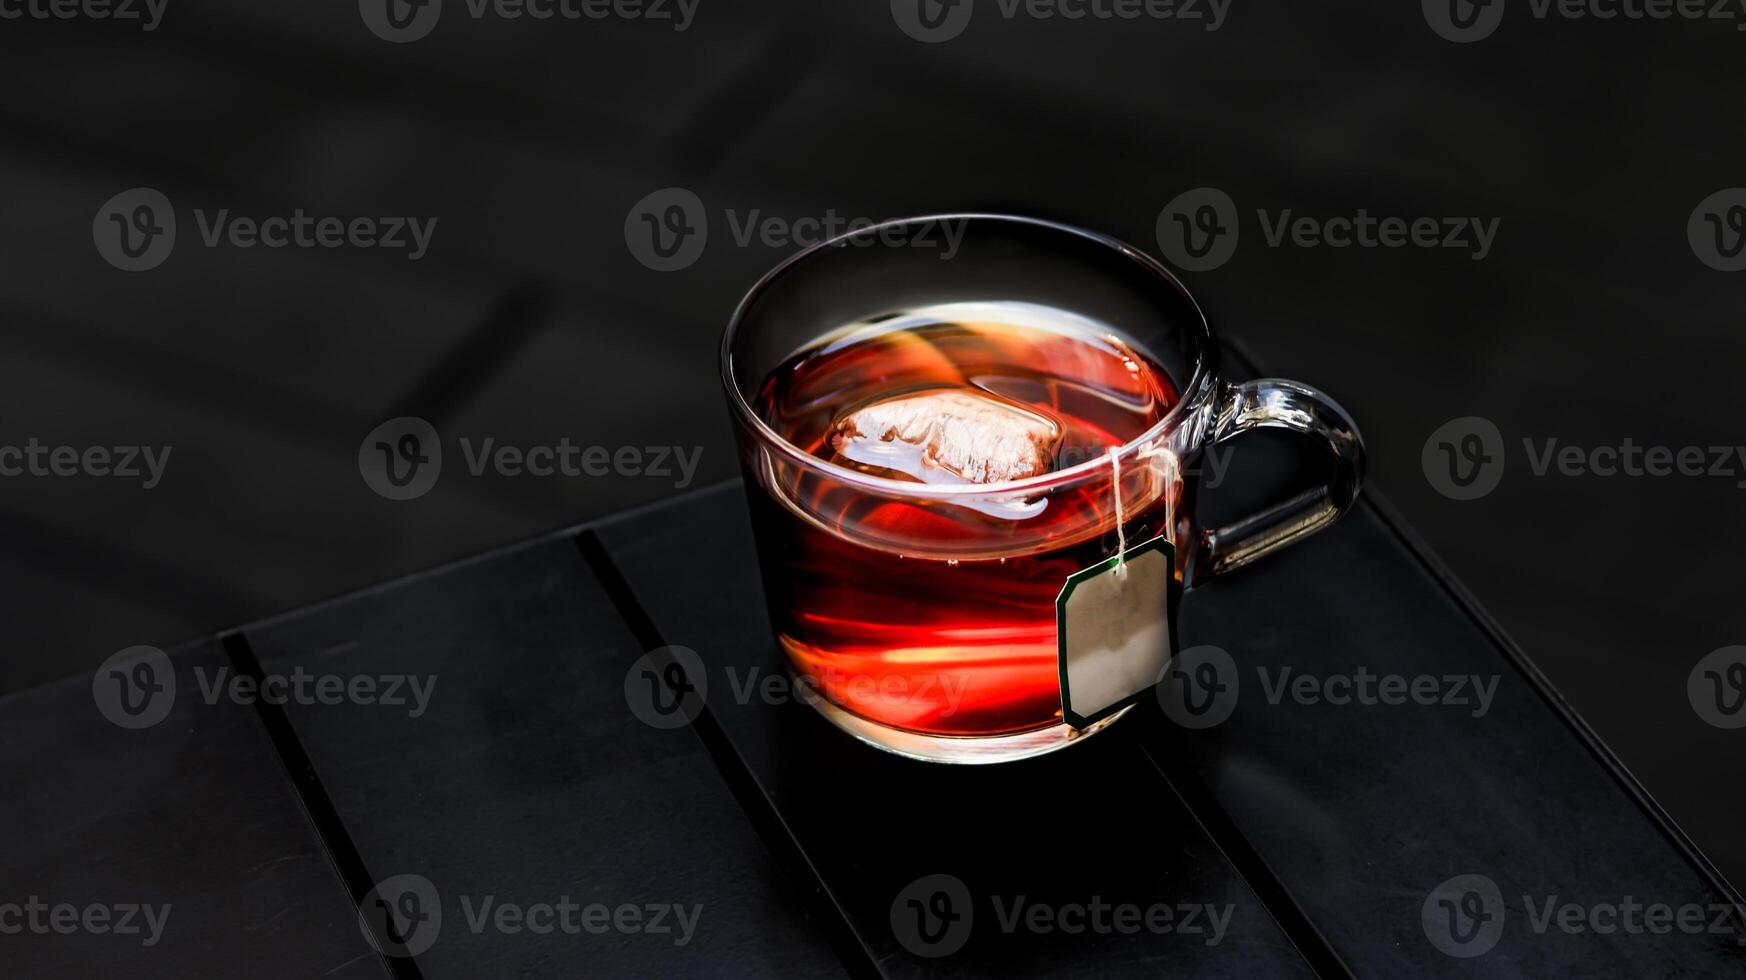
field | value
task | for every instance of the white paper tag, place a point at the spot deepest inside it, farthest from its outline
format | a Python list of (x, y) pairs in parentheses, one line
[(1115, 632)]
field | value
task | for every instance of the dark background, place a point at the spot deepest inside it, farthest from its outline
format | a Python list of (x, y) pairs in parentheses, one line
[(530, 141)]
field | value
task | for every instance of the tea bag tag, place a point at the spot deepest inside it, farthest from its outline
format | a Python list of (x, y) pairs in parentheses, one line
[(1113, 626)]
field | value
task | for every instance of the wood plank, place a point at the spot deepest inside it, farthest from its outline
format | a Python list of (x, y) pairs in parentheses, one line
[(528, 780), (192, 816)]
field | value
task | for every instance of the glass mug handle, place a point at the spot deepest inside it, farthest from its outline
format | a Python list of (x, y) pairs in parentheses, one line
[(1274, 403)]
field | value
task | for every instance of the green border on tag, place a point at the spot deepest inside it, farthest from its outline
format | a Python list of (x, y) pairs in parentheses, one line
[(1159, 543)]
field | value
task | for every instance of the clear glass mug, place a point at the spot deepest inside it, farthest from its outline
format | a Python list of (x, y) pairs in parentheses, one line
[(930, 631)]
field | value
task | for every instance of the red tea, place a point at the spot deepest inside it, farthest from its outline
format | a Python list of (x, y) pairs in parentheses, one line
[(933, 615)]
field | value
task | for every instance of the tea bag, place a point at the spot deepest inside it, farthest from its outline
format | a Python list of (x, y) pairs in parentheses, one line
[(949, 435)]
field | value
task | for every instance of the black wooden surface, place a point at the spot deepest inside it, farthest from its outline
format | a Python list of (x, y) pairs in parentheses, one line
[(1316, 832), (1363, 810), (528, 779), (193, 812)]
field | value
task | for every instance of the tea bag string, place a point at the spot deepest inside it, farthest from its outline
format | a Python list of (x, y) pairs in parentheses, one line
[(1115, 465)]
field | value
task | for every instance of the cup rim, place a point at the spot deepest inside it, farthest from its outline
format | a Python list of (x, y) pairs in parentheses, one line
[(1199, 377)]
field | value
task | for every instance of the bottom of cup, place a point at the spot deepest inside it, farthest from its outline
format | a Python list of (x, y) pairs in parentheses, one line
[(959, 749)]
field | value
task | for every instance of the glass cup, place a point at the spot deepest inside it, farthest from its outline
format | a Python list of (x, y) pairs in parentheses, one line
[(923, 614)]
